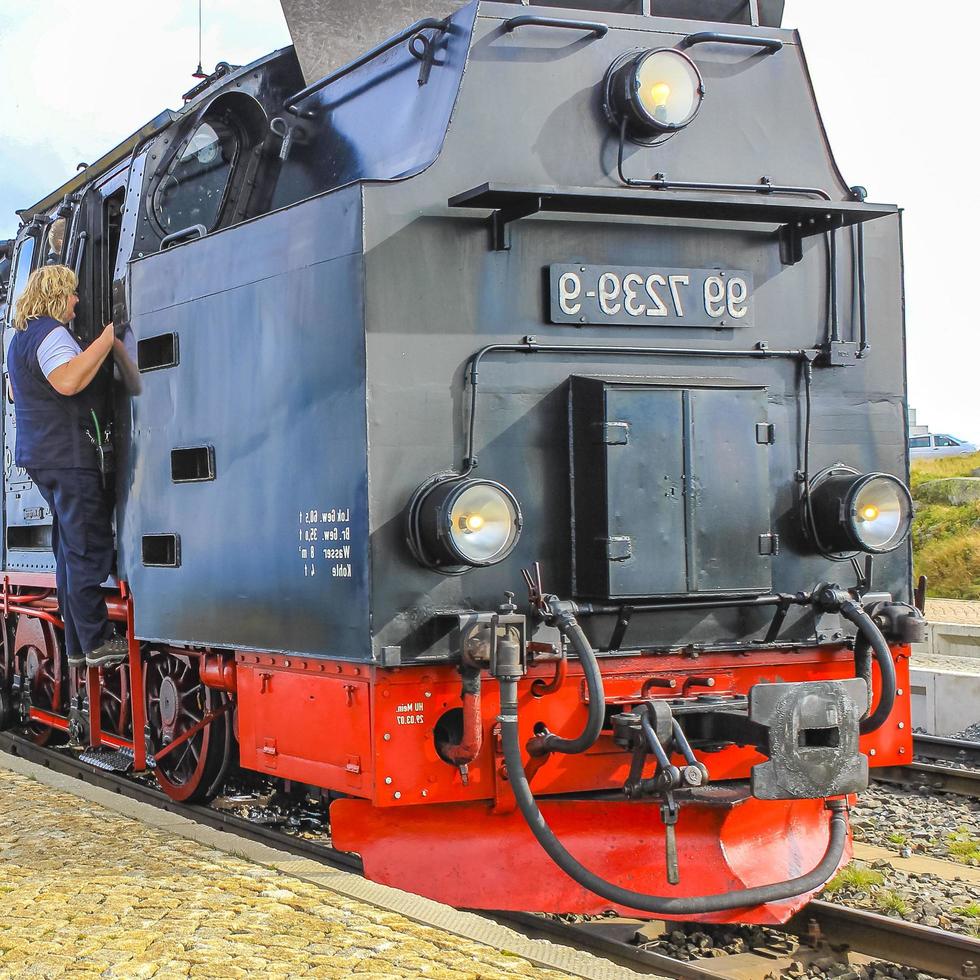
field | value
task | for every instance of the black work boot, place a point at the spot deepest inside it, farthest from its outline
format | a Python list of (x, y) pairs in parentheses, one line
[(76, 659), (113, 651)]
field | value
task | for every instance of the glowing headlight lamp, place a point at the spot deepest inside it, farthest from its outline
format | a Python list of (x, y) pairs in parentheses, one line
[(869, 512), (656, 92), (458, 524)]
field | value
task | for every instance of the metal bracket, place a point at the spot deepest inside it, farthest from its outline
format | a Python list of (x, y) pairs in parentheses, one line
[(500, 222)]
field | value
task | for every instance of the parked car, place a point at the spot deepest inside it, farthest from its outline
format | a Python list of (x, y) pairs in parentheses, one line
[(938, 444)]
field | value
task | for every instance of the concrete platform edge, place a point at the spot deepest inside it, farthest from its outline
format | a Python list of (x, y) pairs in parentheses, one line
[(421, 910)]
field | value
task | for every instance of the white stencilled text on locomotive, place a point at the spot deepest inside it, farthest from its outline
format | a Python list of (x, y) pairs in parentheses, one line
[(325, 527)]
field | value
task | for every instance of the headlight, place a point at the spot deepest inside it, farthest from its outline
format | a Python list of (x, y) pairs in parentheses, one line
[(860, 512), (657, 92), (455, 524)]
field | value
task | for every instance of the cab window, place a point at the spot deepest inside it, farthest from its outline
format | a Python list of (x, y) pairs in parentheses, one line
[(945, 441), (21, 273), (919, 442), (193, 189)]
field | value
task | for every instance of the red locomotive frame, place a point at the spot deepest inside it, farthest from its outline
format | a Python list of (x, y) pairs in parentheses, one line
[(366, 732)]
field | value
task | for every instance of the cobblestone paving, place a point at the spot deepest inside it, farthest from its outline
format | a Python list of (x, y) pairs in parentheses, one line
[(88, 893)]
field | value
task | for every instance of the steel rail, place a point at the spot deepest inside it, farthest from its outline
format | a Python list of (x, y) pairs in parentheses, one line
[(865, 932), (947, 954), (950, 749), (944, 779)]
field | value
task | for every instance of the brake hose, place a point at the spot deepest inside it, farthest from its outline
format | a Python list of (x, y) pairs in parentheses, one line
[(869, 636), (545, 742), (656, 904)]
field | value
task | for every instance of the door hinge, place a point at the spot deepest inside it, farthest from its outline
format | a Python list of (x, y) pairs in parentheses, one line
[(615, 433), (618, 548), (768, 544)]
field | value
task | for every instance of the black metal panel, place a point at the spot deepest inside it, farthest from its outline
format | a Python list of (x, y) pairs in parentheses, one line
[(728, 490), (272, 550), (670, 490), (645, 490)]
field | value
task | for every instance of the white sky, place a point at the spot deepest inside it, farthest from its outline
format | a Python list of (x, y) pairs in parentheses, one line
[(895, 89)]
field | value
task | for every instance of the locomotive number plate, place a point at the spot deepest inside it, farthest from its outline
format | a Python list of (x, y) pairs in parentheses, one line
[(650, 297)]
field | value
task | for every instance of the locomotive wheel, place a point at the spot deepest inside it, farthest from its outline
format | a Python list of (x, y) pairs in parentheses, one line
[(39, 662), (176, 700), (115, 717)]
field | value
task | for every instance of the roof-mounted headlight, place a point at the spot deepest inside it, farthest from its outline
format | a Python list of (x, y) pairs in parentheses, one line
[(869, 512), (458, 524), (656, 93)]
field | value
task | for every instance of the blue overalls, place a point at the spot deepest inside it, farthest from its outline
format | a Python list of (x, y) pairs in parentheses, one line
[(52, 445)]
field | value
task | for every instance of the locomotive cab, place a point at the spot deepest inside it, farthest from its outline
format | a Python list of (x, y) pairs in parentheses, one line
[(550, 512)]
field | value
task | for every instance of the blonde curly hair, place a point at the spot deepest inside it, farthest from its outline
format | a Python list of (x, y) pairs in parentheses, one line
[(47, 294)]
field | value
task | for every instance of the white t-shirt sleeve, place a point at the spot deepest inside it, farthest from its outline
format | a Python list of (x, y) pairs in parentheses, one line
[(58, 348)]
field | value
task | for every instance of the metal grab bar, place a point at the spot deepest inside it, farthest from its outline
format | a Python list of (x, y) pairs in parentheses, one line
[(176, 236), (532, 20), (715, 37), (428, 23)]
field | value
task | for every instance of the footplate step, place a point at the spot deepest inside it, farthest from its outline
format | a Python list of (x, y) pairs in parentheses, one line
[(111, 760)]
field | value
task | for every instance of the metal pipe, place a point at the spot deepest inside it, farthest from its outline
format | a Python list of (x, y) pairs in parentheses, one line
[(530, 346), (657, 904), (662, 183), (464, 752), (428, 23), (540, 687), (834, 303), (596, 609)]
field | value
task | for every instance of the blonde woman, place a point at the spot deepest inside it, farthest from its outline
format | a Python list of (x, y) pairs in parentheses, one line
[(55, 392)]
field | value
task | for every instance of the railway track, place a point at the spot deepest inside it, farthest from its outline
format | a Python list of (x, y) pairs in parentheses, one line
[(960, 774), (823, 934), (823, 928)]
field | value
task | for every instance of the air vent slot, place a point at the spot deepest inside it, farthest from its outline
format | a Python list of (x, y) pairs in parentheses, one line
[(192, 465), (35, 537), (156, 353), (161, 550)]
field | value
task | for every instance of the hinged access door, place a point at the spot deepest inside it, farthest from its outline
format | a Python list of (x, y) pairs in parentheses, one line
[(678, 502)]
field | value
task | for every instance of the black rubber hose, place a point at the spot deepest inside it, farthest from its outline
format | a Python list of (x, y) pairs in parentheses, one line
[(870, 636), (657, 904), (547, 742)]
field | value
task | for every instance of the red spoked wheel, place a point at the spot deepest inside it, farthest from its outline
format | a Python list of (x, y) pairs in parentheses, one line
[(176, 701), (38, 660), (115, 717)]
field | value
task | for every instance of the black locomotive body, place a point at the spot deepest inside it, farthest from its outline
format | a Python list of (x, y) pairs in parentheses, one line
[(488, 299)]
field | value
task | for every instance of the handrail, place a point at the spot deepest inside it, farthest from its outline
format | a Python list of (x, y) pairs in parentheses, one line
[(533, 20), (716, 37), (176, 236), (426, 24)]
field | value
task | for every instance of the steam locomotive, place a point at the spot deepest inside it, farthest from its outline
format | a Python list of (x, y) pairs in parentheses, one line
[(520, 464)]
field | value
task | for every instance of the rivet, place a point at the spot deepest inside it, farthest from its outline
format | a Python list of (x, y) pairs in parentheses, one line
[(428, 694), (425, 792), (386, 694), (387, 737), (387, 780), (398, 795), (288, 663), (901, 724), (901, 751), (872, 751), (899, 692)]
